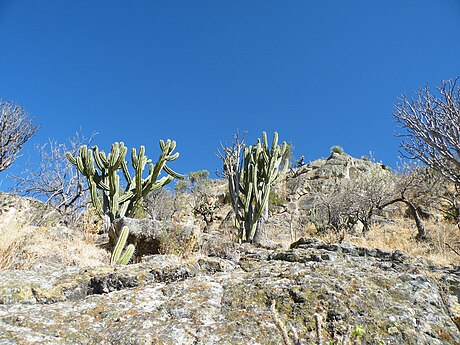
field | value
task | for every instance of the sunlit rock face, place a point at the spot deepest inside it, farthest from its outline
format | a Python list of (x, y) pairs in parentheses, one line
[(214, 300)]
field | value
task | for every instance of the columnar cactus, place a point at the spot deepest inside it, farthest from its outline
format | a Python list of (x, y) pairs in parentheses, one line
[(102, 172), (117, 257), (258, 173)]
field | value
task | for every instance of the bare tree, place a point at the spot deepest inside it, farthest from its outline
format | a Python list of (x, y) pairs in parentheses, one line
[(340, 205), (450, 206), (16, 128), (56, 181), (419, 188), (432, 128)]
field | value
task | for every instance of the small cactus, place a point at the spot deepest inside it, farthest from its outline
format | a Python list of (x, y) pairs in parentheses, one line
[(117, 257)]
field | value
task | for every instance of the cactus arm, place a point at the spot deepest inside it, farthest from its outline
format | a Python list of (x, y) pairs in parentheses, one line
[(127, 255), (80, 166), (117, 257), (275, 142), (71, 158), (172, 173), (114, 193), (264, 141), (125, 197), (103, 158), (97, 157), (173, 157), (97, 204), (172, 146), (248, 198), (127, 175)]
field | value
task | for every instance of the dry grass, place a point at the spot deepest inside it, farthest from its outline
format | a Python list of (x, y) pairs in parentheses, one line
[(12, 232), (397, 236), (24, 246), (401, 235), (8, 252)]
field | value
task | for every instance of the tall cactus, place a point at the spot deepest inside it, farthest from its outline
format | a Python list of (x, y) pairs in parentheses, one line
[(102, 172), (257, 173)]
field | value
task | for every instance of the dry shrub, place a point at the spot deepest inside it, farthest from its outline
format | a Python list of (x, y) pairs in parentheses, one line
[(401, 235), (91, 224), (8, 252), (59, 246)]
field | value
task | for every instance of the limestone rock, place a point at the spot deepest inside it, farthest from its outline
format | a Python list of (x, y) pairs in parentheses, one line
[(153, 236), (211, 300)]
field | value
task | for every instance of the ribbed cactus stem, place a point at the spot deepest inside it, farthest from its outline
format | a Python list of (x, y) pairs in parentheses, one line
[(127, 255), (259, 171), (117, 256)]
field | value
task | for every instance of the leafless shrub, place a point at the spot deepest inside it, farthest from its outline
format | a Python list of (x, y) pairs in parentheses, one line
[(55, 180), (231, 156), (432, 128), (197, 190), (160, 204), (340, 205), (16, 128), (418, 188)]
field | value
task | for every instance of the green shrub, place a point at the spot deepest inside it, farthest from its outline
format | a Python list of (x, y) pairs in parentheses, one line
[(198, 176), (275, 200), (337, 149)]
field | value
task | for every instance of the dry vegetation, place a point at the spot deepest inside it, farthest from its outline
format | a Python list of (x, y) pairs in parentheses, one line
[(401, 236), (26, 246), (439, 248), (430, 128)]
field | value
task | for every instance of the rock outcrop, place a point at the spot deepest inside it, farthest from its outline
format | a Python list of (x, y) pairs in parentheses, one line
[(152, 236), (211, 300), (317, 174)]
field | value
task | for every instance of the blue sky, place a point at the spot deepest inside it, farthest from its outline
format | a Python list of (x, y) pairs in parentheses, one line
[(321, 73)]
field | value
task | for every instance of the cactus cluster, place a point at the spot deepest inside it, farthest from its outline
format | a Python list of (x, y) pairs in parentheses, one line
[(102, 173), (259, 172)]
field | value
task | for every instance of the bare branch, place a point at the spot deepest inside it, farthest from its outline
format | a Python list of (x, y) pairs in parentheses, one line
[(15, 129), (431, 125), (55, 180)]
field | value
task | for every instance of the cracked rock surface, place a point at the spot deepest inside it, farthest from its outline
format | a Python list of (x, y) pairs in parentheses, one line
[(211, 300)]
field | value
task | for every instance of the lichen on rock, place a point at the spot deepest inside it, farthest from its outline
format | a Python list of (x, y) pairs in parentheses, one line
[(213, 300)]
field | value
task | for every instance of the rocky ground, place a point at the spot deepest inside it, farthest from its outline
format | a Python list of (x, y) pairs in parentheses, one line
[(56, 286), (227, 300)]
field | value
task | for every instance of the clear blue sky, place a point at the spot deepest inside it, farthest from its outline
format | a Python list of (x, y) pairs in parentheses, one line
[(321, 73)]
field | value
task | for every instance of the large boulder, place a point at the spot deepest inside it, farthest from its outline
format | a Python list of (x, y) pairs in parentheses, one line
[(157, 237)]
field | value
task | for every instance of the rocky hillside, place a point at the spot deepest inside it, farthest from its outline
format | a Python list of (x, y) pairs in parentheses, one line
[(374, 297), (60, 288)]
